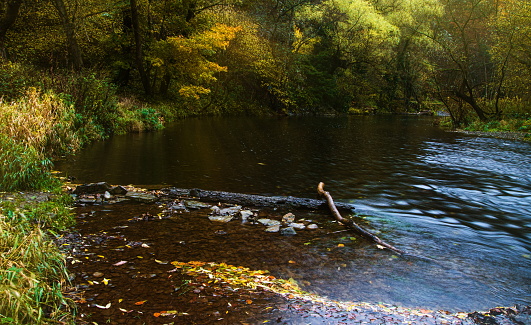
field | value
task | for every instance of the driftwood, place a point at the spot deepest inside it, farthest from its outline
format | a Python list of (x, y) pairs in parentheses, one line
[(255, 200), (351, 224)]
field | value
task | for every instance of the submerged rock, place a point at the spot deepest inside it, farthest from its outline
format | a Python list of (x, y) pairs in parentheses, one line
[(288, 231), (298, 226), (196, 205), (141, 197), (312, 226), (273, 228), (269, 222), (224, 219)]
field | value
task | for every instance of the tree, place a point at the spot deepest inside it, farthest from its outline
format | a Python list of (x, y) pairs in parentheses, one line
[(9, 9), (464, 69), (73, 47)]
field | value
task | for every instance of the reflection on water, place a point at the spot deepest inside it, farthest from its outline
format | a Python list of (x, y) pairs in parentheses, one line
[(462, 200)]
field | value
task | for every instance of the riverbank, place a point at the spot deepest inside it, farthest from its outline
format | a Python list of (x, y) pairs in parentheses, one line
[(519, 136)]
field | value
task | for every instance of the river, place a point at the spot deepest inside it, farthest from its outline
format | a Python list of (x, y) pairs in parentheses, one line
[(462, 200)]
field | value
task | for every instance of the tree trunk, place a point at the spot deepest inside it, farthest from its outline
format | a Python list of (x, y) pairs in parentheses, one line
[(74, 51), (466, 94), (289, 202), (139, 55), (6, 21)]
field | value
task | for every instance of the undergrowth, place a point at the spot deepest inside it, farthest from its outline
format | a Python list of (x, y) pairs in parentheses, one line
[(33, 272)]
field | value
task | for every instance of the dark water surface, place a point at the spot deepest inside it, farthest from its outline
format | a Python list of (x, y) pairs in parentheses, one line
[(464, 201)]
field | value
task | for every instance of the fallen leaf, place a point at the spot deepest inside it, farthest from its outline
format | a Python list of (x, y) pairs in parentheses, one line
[(120, 263), (292, 262), (161, 262), (138, 303), (248, 301), (156, 314), (105, 281), (107, 306), (340, 245)]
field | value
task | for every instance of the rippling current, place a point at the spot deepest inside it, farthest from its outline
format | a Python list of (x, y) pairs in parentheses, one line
[(461, 200)]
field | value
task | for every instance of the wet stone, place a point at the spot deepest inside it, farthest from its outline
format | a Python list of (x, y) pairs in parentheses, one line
[(288, 218), (196, 205), (246, 216), (223, 219), (273, 228), (92, 188), (141, 197), (269, 222), (288, 231), (298, 226)]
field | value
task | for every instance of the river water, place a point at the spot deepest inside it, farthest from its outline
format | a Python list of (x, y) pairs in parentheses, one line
[(461, 200)]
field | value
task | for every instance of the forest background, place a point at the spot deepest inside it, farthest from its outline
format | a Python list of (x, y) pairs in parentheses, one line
[(74, 71)]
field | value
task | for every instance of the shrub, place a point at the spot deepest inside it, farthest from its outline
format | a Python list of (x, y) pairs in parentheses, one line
[(94, 101), (14, 79), (22, 167), (32, 274)]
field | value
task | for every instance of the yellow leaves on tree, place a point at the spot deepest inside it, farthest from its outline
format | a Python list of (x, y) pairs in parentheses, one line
[(191, 60)]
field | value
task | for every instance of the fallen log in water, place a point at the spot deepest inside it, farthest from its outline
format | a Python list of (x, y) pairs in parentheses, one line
[(289, 202), (351, 224)]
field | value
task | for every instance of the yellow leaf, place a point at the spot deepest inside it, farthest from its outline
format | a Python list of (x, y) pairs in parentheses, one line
[(138, 303), (340, 245), (105, 281)]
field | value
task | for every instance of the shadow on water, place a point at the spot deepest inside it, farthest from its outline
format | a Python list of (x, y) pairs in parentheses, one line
[(461, 200)]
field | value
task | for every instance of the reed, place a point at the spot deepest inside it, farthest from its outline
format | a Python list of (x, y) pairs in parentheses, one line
[(32, 276)]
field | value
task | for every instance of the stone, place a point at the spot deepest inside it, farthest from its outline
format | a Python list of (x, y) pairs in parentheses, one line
[(288, 218), (224, 219), (247, 216), (92, 188), (288, 231), (295, 225), (177, 206), (274, 228), (231, 211), (141, 197), (312, 226), (269, 222), (107, 195), (118, 190), (196, 204)]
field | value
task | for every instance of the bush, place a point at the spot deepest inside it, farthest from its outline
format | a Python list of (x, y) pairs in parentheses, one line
[(23, 167), (32, 275), (94, 101), (41, 121), (14, 79)]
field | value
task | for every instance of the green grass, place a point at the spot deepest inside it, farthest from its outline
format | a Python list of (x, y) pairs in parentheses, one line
[(33, 272)]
